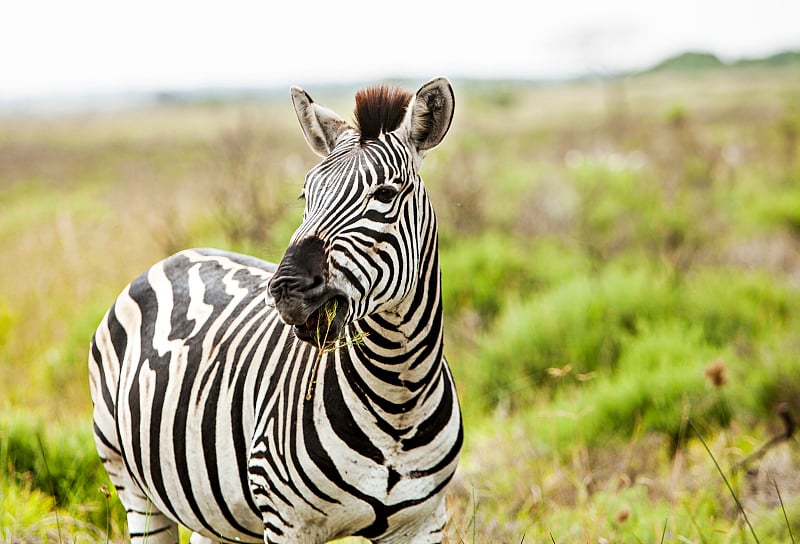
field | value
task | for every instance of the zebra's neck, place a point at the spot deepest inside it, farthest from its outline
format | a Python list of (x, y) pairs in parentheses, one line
[(402, 351), (395, 338)]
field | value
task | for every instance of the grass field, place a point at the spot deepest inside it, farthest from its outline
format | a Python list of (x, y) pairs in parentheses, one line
[(621, 276)]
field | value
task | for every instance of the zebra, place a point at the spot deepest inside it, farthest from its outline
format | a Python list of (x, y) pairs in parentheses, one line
[(305, 401)]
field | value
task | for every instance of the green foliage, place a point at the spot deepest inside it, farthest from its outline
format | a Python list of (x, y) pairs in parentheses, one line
[(58, 463), (476, 270), (22, 507), (620, 206), (628, 351), (736, 306), (577, 324), (781, 209), (658, 383), (772, 381)]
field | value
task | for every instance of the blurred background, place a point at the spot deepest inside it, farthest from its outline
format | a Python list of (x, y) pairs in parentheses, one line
[(619, 209)]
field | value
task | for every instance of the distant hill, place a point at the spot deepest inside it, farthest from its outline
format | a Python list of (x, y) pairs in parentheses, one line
[(779, 59), (689, 61), (698, 60)]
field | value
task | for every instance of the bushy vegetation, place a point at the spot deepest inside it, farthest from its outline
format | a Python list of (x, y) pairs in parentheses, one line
[(621, 262)]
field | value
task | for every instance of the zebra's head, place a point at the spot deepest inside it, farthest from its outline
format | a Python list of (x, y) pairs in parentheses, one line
[(368, 226)]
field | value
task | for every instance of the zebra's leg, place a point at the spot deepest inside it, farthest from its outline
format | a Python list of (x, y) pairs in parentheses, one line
[(146, 525), (200, 539), (431, 531)]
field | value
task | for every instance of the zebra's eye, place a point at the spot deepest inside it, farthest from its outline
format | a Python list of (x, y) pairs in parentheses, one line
[(302, 195), (385, 194)]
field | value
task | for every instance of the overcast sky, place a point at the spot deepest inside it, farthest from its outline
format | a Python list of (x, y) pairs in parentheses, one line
[(78, 47)]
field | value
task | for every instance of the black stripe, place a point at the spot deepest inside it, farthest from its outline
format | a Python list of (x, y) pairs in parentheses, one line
[(430, 428), (119, 339), (97, 359), (341, 418), (208, 439), (104, 439), (240, 440), (151, 532), (312, 445)]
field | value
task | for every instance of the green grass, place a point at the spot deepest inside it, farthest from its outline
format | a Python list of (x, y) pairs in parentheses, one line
[(617, 259), (53, 482)]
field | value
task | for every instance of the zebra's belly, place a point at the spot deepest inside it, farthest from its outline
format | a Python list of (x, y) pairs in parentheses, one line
[(236, 523)]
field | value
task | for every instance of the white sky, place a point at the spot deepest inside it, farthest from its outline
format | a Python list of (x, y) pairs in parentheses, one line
[(75, 47)]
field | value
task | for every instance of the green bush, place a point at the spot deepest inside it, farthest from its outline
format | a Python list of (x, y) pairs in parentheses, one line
[(587, 323), (622, 209), (736, 306), (489, 271), (578, 323), (771, 378), (658, 383)]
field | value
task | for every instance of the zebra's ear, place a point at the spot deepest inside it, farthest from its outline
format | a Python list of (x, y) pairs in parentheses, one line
[(430, 114), (320, 125)]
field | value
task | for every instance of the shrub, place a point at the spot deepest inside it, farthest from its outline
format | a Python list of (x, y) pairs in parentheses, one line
[(735, 306), (587, 322), (658, 383), (578, 324), (492, 270)]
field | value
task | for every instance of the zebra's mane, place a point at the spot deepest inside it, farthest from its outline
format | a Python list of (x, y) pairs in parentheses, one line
[(380, 110)]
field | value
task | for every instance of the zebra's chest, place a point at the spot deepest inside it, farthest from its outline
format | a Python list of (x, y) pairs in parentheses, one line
[(338, 464), (324, 488)]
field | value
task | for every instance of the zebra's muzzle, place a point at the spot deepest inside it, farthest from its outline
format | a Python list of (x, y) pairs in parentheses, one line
[(320, 324), (303, 297)]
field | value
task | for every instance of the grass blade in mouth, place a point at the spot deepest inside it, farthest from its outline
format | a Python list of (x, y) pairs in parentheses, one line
[(324, 320), (321, 322)]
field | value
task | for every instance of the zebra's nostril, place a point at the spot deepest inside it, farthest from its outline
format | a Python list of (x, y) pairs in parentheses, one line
[(280, 286), (277, 288)]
